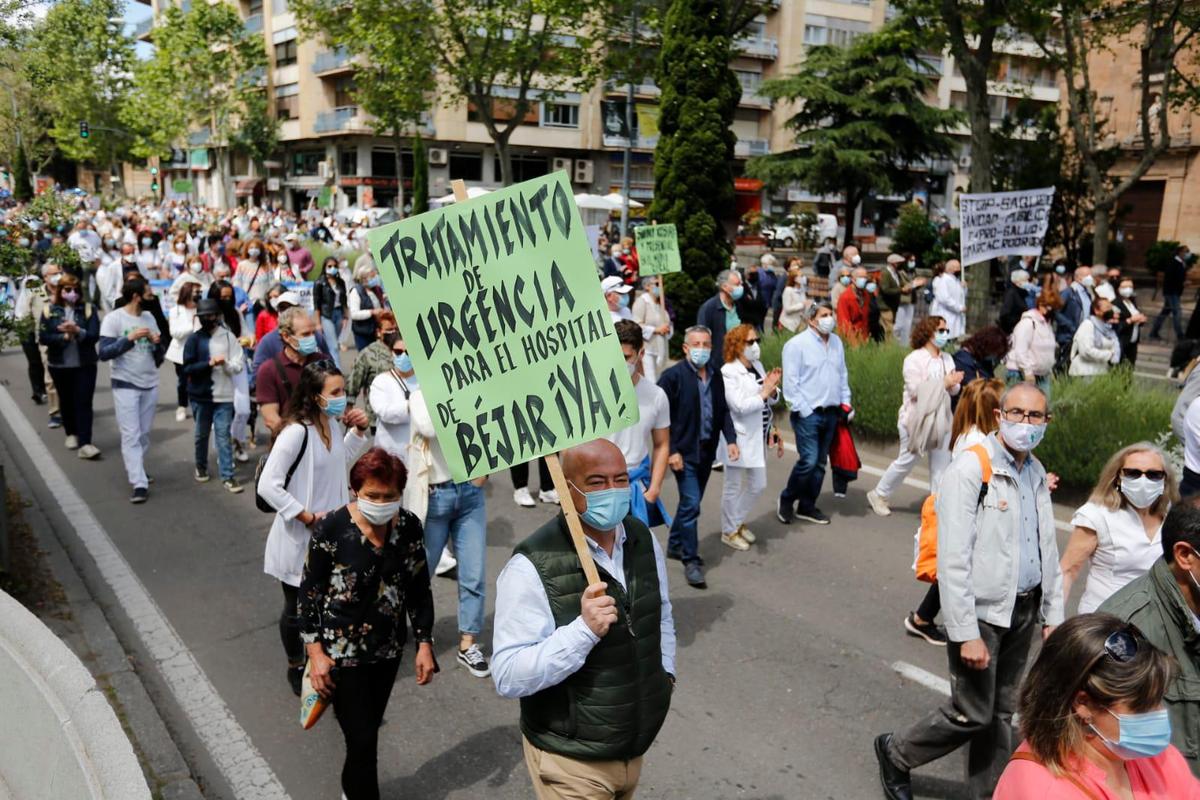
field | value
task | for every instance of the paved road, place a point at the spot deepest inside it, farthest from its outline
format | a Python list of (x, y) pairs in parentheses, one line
[(785, 661)]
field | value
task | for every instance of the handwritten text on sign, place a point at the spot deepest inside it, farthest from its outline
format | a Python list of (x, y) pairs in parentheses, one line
[(1004, 223), (658, 250), (501, 311)]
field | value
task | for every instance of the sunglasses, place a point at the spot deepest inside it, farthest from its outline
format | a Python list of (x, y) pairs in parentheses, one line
[(1152, 474), (752, 341), (399, 351), (1121, 646)]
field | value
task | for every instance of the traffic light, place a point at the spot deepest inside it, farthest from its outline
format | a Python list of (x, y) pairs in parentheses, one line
[(154, 186), (153, 171), (84, 133)]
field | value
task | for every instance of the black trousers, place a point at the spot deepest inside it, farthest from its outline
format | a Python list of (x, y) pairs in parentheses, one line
[(520, 475), (76, 393), (1190, 484), (289, 626), (931, 606), (359, 699), (33, 362), (181, 395)]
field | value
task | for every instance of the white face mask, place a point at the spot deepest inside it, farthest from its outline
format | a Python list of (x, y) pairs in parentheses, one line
[(180, 247), (1087, 280), (632, 367), (195, 267), (1126, 291), (856, 259), (282, 258), (1141, 492), (826, 324), (1021, 436), (753, 352), (378, 513)]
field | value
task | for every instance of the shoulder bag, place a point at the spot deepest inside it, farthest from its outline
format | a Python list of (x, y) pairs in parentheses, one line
[(262, 504)]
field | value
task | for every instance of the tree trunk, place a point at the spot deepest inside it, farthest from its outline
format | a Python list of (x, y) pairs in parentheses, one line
[(504, 155), (1100, 221), (397, 141), (854, 197)]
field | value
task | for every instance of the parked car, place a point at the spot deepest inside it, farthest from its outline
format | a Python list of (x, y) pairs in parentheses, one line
[(788, 235)]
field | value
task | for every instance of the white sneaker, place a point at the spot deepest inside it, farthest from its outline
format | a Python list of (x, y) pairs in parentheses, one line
[(878, 504), (89, 451), (72, 443), (548, 496), (446, 563), (180, 414), (239, 452), (523, 498)]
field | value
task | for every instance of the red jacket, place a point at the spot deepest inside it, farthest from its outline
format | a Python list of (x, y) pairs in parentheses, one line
[(853, 314)]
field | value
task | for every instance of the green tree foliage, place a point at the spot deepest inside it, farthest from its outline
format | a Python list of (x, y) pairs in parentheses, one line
[(208, 72), (914, 233), (863, 119), (693, 180), (79, 62), (394, 74), (420, 186)]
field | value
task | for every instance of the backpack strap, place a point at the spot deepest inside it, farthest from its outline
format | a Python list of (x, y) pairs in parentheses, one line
[(282, 374), (985, 464), (1078, 784)]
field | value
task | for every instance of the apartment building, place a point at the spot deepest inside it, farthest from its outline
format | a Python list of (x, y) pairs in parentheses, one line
[(327, 140)]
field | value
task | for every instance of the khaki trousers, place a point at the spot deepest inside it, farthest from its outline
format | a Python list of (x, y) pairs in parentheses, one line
[(558, 777)]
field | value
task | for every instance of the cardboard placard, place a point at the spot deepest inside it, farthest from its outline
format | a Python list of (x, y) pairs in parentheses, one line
[(657, 250)]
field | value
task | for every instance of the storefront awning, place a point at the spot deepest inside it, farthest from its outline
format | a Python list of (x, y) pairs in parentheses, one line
[(246, 187)]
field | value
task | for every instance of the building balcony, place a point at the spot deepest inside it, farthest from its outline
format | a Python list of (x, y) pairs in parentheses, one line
[(639, 143), (744, 148), (750, 97), (141, 31), (333, 62), (254, 23), (340, 119), (758, 47), (647, 88)]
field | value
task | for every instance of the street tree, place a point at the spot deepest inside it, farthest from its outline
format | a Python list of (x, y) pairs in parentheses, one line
[(78, 63), (394, 60), (25, 121), (1075, 35), (207, 74), (863, 120)]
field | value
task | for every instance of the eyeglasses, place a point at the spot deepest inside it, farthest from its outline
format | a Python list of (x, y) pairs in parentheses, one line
[(1152, 474), (1021, 415), (752, 341)]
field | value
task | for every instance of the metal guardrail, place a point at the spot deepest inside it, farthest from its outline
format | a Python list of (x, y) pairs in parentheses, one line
[(330, 60), (254, 23), (143, 28), (758, 46), (336, 120)]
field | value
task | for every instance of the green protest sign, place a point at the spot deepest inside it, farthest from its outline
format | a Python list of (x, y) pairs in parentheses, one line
[(181, 185), (657, 249), (325, 198), (501, 311)]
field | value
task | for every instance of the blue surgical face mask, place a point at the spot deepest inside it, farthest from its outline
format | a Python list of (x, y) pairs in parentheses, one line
[(844, 280), (374, 282), (306, 345), (623, 300), (737, 291), (605, 507), (871, 287), (860, 283), (699, 356), (941, 339), (334, 406), (1141, 735), (402, 362)]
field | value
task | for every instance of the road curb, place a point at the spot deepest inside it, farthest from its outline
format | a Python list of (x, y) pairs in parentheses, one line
[(98, 647)]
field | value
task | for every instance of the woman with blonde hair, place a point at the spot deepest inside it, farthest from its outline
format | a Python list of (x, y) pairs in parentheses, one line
[(974, 419), (1118, 532), (795, 301), (1093, 719)]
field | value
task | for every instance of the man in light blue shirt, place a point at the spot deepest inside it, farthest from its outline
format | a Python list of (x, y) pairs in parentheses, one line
[(594, 665), (817, 388)]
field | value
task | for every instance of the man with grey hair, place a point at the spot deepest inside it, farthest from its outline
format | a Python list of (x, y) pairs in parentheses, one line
[(696, 396), (279, 375), (816, 387), (719, 313)]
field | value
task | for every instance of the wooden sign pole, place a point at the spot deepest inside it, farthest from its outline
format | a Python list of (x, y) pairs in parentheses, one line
[(561, 486)]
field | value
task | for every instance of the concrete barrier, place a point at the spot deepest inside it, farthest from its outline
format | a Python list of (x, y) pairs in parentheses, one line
[(59, 737)]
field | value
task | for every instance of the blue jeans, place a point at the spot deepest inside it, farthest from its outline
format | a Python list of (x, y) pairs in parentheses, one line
[(814, 435), (330, 329), (691, 479), (209, 415), (1170, 308), (456, 512)]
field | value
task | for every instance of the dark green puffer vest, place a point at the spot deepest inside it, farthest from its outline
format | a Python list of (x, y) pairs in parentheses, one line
[(613, 707)]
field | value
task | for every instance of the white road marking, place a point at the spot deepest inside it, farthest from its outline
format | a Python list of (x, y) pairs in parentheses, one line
[(235, 755), (916, 484), (923, 677)]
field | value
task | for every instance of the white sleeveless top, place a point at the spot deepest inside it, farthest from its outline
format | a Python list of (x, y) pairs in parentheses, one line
[(1123, 552)]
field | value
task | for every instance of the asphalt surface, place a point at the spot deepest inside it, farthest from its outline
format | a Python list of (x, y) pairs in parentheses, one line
[(785, 661)]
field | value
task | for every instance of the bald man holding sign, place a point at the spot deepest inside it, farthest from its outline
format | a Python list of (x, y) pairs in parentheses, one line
[(594, 666)]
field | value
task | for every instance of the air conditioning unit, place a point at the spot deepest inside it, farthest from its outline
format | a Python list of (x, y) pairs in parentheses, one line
[(563, 164), (964, 162), (325, 169), (584, 170), (439, 156)]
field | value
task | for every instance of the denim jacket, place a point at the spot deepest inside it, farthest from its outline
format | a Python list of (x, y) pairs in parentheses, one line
[(978, 543)]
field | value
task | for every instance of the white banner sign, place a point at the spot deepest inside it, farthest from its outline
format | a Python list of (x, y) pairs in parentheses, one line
[(1004, 224)]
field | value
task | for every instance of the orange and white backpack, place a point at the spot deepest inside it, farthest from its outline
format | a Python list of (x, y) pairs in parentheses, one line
[(925, 565)]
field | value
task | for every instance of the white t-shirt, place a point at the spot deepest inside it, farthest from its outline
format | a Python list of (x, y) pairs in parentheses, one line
[(1123, 551), (1191, 439), (655, 414), (135, 367)]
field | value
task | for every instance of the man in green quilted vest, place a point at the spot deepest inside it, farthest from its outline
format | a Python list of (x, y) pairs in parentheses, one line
[(594, 666)]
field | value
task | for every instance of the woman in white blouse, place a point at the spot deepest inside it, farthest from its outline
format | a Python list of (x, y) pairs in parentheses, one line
[(795, 301), (1118, 532), (314, 449), (182, 324), (750, 391), (926, 362), (648, 312), (950, 297), (390, 392)]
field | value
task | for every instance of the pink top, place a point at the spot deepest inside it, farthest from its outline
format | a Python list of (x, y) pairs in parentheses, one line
[(1164, 777)]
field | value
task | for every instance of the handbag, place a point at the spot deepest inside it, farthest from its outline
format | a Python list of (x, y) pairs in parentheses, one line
[(262, 504)]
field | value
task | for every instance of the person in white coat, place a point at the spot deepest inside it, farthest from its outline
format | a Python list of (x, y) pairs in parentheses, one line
[(317, 452), (182, 324), (950, 298), (389, 395), (193, 272), (750, 391), (795, 301), (1118, 532), (648, 312), (926, 362), (1095, 348)]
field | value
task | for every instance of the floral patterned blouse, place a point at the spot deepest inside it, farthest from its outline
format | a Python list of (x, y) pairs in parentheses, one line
[(344, 571)]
